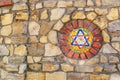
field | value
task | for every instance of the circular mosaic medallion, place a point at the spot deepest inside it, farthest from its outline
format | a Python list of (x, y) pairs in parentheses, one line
[(80, 39)]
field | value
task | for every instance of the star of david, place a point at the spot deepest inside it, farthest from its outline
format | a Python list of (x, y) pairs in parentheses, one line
[(80, 39)]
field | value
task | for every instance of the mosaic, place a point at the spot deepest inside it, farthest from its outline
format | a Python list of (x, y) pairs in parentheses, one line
[(80, 39)]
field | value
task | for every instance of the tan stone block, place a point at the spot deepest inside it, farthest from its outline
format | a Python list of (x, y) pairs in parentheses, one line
[(6, 19), (6, 30), (101, 22), (22, 16), (33, 39), (78, 15), (67, 68), (106, 37), (20, 50), (91, 16), (30, 59), (56, 75), (103, 59), (80, 3), (98, 68), (101, 11), (35, 67), (35, 76), (58, 25), (50, 67), (64, 4), (99, 77), (112, 16), (49, 3), (43, 39), (19, 6), (44, 15), (65, 18)]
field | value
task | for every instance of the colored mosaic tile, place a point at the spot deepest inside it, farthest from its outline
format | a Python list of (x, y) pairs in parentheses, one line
[(80, 39), (5, 2)]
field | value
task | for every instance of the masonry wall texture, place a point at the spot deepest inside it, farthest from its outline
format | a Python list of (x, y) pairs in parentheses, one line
[(29, 40)]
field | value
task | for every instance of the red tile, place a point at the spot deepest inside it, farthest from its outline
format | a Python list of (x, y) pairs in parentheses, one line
[(64, 30), (86, 24), (69, 26), (96, 31), (88, 54), (66, 49), (91, 27), (5, 2), (82, 56), (92, 50), (75, 24), (62, 42), (76, 56), (97, 45), (70, 54), (80, 23), (98, 38), (63, 36)]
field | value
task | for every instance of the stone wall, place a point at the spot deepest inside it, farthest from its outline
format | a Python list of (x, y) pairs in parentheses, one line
[(29, 42)]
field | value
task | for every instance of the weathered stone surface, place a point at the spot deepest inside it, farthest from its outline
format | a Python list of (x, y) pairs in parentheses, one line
[(65, 18), (57, 13), (30, 59), (37, 59), (110, 68), (56, 75), (34, 28), (39, 5), (114, 26), (52, 36), (16, 59), (78, 15), (84, 68), (33, 39), (91, 15), (101, 11), (36, 49), (52, 50), (108, 49), (35, 67), (88, 9), (3, 74), (113, 59), (43, 39), (19, 6), (118, 66), (98, 68), (58, 25), (20, 50), (116, 46), (92, 61), (19, 28), (6, 19), (3, 50), (5, 60), (98, 3), (106, 37), (19, 39), (80, 3), (22, 16), (66, 67), (10, 48), (115, 76), (115, 38), (112, 16), (101, 22), (49, 3), (6, 30), (50, 67), (22, 68), (35, 15), (77, 76), (45, 27), (15, 76), (90, 3), (7, 40), (64, 4), (1, 40), (35, 76), (10, 67), (99, 77), (48, 59), (103, 59), (44, 15)]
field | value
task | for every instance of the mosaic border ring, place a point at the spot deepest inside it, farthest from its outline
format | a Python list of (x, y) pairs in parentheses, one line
[(80, 39)]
